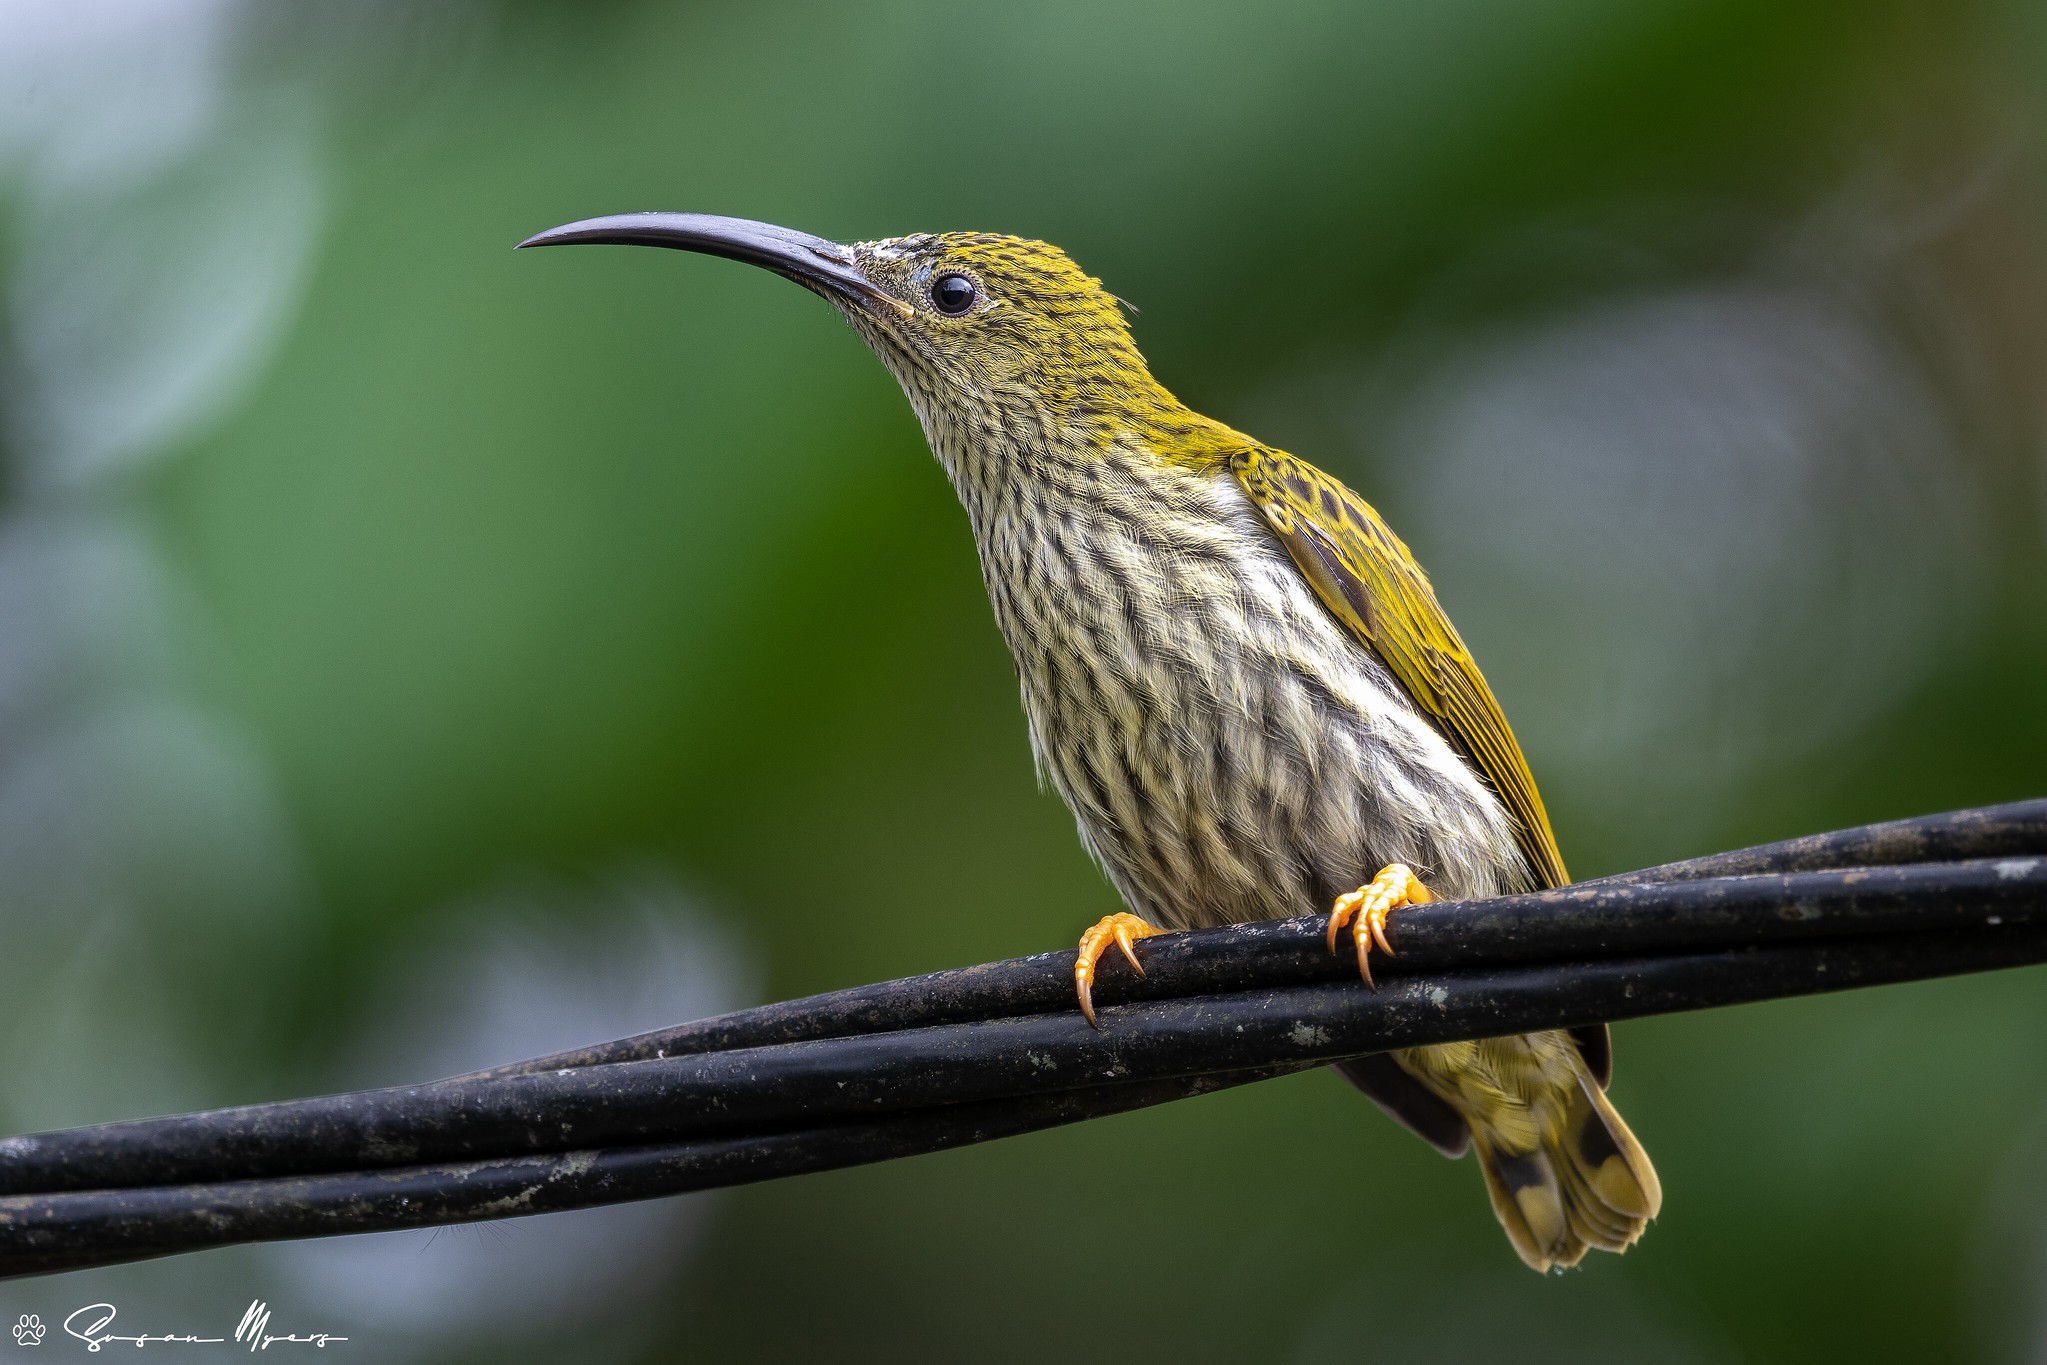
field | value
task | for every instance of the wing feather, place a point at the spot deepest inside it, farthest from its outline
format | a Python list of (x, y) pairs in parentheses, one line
[(1370, 582)]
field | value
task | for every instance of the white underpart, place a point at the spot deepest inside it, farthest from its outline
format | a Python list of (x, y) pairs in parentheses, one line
[(1229, 750)]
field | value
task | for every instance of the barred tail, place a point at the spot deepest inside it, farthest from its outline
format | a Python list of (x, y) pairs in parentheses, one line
[(1586, 1183)]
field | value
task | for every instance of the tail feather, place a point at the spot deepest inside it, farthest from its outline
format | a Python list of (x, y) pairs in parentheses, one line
[(1526, 1200), (1586, 1183), (1592, 1219), (1615, 1166)]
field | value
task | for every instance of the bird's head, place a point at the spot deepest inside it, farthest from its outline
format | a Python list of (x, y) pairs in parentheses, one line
[(974, 325)]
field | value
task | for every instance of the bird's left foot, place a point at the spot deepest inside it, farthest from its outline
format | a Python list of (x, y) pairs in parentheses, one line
[(1121, 929), (1395, 886)]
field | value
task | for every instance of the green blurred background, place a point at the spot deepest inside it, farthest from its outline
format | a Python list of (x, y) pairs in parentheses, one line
[(414, 655)]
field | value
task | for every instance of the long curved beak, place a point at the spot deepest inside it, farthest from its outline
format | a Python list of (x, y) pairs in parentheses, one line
[(821, 266)]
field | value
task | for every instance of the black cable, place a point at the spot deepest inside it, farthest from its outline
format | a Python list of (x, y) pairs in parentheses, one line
[(2013, 830), (1044, 981), (75, 1231), (963, 1056)]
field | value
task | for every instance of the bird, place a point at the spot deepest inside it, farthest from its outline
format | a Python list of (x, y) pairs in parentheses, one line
[(1234, 673)]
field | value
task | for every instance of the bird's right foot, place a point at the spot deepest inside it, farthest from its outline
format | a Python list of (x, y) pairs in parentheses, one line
[(1123, 930), (1395, 886)]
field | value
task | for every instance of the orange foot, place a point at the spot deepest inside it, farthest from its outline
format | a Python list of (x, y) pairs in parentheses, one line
[(1124, 930), (1395, 886)]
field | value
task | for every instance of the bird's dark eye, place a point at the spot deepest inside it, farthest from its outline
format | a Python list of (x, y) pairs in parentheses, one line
[(952, 294)]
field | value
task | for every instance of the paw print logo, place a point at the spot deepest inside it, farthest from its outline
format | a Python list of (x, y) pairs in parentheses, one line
[(29, 1331)]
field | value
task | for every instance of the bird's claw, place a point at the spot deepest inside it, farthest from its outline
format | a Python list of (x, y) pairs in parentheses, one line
[(1369, 905), (1123, 930)]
